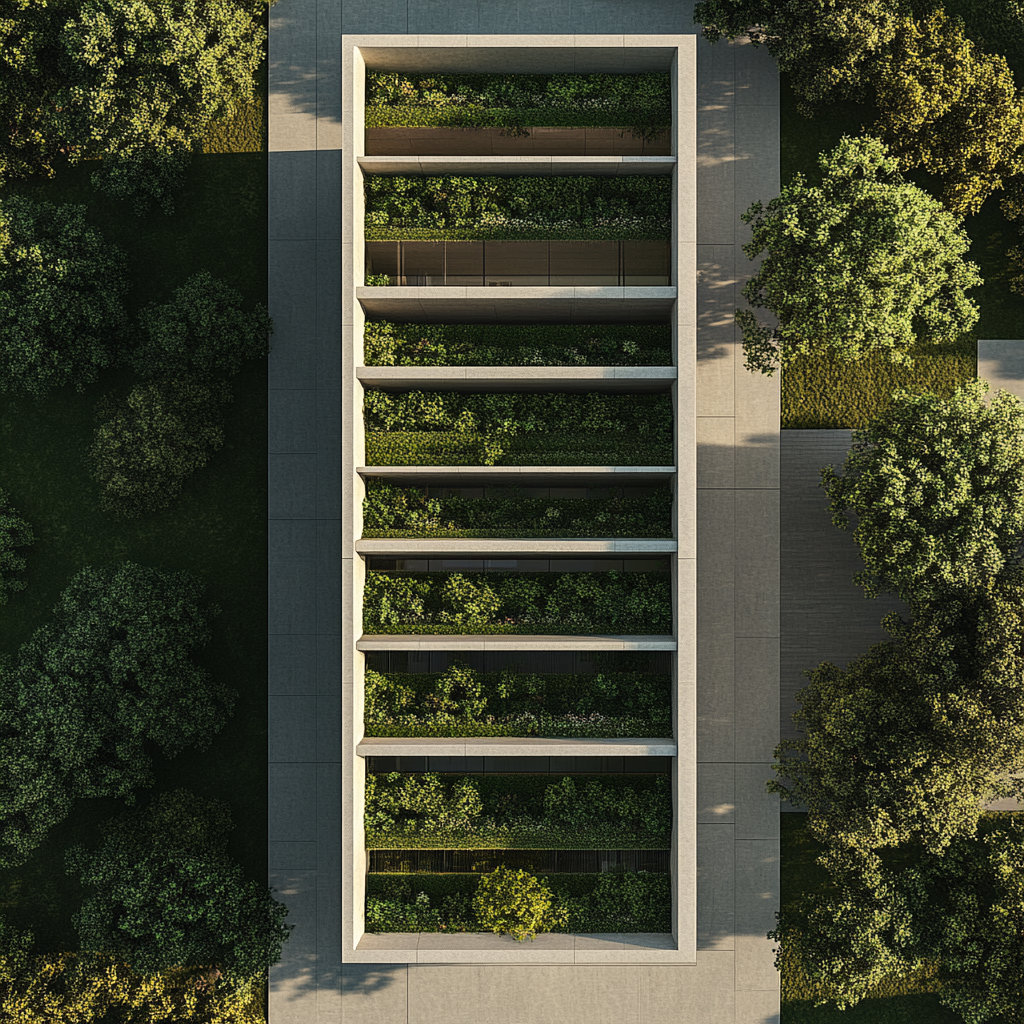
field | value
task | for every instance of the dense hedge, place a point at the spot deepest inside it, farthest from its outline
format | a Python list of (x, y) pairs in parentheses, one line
[(535, 812), (576, 207), (641, 103), (463, 702), (445, 428), (388, 344), (391, 511), (517, 602), (629, 902)]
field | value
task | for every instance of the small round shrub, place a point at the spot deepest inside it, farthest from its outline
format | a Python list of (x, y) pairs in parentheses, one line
[(515, 903), (14, 533), (146, 446), (202, 331)]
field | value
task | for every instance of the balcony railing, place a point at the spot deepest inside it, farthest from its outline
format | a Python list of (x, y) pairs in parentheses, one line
[(575, 862), (547, 264)]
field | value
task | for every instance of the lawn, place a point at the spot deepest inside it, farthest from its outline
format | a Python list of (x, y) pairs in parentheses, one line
[(216, 528), (822, 393)]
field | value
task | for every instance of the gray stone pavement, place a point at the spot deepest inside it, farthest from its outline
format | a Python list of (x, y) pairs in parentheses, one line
[(734, 980)]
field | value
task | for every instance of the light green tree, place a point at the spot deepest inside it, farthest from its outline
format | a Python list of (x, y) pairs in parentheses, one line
[(516, 903), (865, 262)]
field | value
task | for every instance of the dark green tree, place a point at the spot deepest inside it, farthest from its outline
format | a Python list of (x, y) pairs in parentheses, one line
[(62, 290), (163, 893), (144, 177), (148, 444), (15, 533), (202, 331), (865, 262)]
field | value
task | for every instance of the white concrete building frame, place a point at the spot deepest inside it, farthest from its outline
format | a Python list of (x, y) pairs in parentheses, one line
[(524, 54)]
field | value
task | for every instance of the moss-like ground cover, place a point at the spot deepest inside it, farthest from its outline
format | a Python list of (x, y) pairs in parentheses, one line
[(215, 529)]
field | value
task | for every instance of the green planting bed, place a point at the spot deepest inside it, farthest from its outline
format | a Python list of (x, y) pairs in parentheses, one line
[(388, 344), (628, 902), (532, 812), (463, 702), (510, 602)]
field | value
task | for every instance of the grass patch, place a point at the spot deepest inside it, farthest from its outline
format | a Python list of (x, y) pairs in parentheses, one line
[(216, 528)]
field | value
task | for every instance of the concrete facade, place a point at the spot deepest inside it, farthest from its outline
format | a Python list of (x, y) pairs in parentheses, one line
[(735, 552)]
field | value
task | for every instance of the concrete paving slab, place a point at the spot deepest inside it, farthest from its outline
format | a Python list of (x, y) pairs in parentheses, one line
[(328, 730), (292, 728), (289, 856), (359, 17), (374, 994), (1001, 363), (292, 802), (716, 452), (757, 900), (328, 664), (291, 196), (705, 990), (292, 559), (757, 698), (716, 793), (291, 486), (328, 196), (758, 1007), (291, 266), (291, 664), (757, 811), (328, 592), (757, 562), (716, 911), (291, 421)]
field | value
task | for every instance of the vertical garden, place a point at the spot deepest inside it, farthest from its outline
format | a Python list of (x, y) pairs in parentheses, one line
[(526, 844)]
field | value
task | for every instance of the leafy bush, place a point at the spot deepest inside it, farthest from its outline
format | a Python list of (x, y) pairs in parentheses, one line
[(202, 331), (387, 344), (143, 178), (163, 893), (937, 489), (148, 444), (866, 262), (515, 903), (463, 702), (449, 428), (391, 511), (62, 289), (517, 602), (952, 108), (534, 812), (106, 77), (15, 533), (578, 207), (110, 673), (627, 902), (641, 103)]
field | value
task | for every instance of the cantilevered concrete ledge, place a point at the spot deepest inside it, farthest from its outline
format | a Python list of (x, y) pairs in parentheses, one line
[(541, 475), (467, 547), (510, 642), (486, 948), (482, 305), (542, 165), (521, 378), (513, 746)]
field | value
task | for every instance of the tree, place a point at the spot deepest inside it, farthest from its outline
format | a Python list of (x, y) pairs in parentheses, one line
[(201, 331), (937, 489), (15, 953), (951, 107), (62, 289), (107, 77), (144, 177), (908, 742), (15, 533), (164, 893), (516, 903), (826, 47), (865, 262), (146, 446), (110, 672)]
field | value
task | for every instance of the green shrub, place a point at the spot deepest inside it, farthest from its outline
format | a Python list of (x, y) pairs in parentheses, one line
[(143, 178), (641, 103), (515, 903), (388, 344), (162, 892), (391, 511), (517, 602), (449, 428), (463, 702), (533, 812), (62, 290), (202, 331), (578, 207), (148, 444), (15, 954), (627, 902), (15, 533)]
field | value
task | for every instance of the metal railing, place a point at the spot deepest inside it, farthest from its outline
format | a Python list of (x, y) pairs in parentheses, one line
[(521, 264), (472, 862)]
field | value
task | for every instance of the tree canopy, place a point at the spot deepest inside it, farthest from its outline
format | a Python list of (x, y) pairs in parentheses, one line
[(15, 534), (827, 47), (949, 106), (865, 262), (937, 489), (120, 76), (163, 893), (62, 290)]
